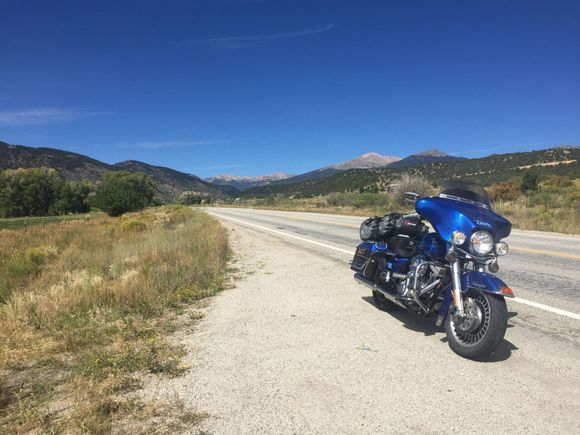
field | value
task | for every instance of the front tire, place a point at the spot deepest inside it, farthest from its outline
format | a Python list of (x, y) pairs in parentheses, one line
[(481, 337)]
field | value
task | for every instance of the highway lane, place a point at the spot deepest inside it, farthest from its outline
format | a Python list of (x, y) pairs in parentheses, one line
[(299, 347), (541, 267)]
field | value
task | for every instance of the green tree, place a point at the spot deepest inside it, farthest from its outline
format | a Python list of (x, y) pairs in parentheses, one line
[(71, 197), (121, 191), (27, 192), (40, 192), (530, 181), (190, 198)]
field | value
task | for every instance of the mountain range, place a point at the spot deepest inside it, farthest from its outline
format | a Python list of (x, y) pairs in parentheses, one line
[(370, 172), (370, 160), (564, 160), (78, 167), (243, 183)]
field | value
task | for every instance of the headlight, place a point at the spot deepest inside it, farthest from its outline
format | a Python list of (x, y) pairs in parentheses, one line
[(501, 248), (481, 243), (458, 238)]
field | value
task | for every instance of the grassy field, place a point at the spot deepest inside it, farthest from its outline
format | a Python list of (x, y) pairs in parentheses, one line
[(557, 211), (25, 222), (85, 309)]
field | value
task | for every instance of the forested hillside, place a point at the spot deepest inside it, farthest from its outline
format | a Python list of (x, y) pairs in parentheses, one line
[(485, 171)]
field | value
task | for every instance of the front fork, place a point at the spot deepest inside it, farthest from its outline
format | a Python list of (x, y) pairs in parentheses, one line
[(456, 278), (457, 294)]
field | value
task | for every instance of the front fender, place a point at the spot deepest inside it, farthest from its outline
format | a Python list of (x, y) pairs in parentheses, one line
[(482, 281), (485, 282)]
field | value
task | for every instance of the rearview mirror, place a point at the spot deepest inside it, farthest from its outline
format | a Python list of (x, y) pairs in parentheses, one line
[(411, 196)]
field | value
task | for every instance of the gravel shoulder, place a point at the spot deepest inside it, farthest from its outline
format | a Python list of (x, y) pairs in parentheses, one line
[(298, 347)]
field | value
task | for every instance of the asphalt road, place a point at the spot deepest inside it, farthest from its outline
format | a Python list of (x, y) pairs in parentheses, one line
[(298, 347), (540, 267)]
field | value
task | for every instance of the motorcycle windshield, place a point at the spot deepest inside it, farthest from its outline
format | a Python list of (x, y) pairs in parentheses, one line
[(466, 192), (465, 207)]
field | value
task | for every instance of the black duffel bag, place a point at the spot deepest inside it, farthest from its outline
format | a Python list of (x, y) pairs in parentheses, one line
[(369, 229), (410, 225), (388, 225)]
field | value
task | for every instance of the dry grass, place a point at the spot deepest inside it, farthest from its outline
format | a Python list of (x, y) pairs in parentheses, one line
[(354, 204), (84, 310), (540, 217)]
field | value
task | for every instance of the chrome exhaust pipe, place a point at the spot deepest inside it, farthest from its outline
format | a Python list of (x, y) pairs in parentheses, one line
[(362, 280)]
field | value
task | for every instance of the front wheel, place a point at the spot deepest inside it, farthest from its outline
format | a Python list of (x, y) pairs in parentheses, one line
[(483, 328)]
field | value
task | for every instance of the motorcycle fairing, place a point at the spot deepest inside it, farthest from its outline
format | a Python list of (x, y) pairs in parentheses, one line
[(475, 280), (448, 215)]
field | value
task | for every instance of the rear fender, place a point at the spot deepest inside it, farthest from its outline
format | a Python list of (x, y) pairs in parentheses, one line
[(481, 281)]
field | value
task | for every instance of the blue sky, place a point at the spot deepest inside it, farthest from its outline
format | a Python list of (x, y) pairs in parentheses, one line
[(253, 87)]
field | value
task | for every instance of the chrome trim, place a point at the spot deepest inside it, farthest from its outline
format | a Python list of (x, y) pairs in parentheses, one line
[(467, 201), (362, 280), (457, 296), (429, 287)]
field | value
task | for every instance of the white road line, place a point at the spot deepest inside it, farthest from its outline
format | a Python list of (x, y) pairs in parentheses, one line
[(324, 245), (546, 308)]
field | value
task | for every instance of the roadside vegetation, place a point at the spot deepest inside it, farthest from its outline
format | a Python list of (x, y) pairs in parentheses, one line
[(85, 310), (531, 202), (25, 222), (40, 192)]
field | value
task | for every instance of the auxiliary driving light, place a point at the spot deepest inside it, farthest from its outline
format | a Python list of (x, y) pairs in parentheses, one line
[(501, 248), (458, 238)]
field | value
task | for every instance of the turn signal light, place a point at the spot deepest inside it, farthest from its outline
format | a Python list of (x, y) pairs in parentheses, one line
[(507, 292)]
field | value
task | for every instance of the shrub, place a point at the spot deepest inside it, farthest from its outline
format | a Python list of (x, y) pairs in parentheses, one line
[(27, 262), (133, 227), (121, 191), (341, 199), (507, 190), (558, 181), (530, 181), (410, 183), (191, 198)]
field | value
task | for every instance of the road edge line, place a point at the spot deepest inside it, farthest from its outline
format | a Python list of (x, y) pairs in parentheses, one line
[(546, 308), (324, 245)]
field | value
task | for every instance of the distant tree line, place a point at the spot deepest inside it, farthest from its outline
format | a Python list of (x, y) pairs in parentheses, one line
[(192, 198), (42, 192)]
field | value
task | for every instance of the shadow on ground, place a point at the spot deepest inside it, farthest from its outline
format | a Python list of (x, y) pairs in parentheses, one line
[(426, 325)]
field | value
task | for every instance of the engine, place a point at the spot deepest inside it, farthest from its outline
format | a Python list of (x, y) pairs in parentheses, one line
[(422, 278)]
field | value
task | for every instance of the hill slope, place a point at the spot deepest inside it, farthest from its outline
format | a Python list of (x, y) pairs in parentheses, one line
[(365, 161), (430, 156), (78, 167), (485, 171)]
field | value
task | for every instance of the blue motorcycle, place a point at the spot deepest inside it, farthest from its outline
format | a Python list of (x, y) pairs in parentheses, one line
[(446, 272)]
